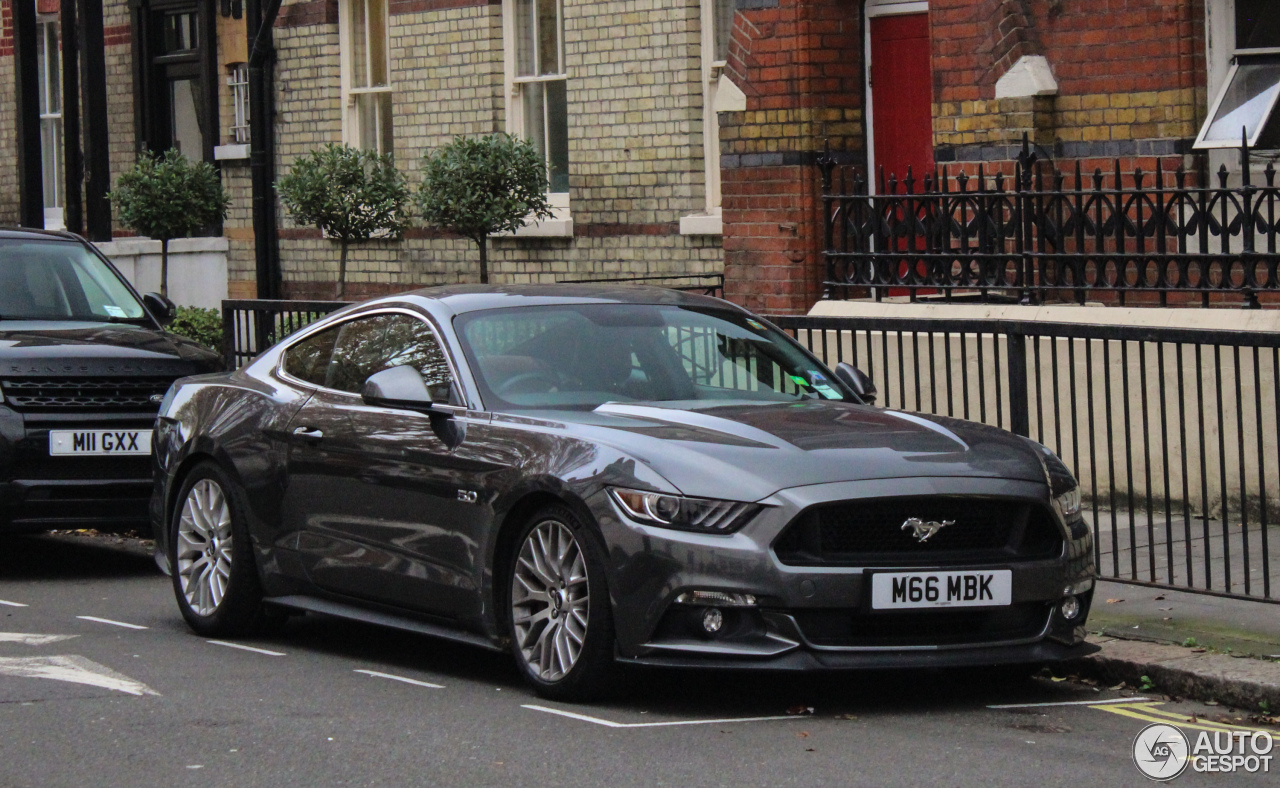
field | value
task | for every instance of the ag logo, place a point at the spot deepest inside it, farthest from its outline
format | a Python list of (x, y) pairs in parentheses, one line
[(1161, 751)]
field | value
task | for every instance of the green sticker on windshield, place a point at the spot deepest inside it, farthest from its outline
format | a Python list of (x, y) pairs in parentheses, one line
[(799, 381)]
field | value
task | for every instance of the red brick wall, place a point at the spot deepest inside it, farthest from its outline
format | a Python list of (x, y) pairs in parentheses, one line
[(800, 64)]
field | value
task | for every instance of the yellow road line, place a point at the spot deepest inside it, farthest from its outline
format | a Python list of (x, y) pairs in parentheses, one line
[(1147, 713)]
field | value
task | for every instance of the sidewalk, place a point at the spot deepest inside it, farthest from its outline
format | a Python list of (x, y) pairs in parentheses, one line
[(1232, 654)]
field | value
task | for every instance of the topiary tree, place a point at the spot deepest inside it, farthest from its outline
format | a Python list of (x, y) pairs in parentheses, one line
[(349, 193), (476, 186), (169, 196)]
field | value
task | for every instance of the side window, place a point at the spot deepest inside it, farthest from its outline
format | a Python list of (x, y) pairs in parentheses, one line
[(309, 359), (372, 344), (411, 341)]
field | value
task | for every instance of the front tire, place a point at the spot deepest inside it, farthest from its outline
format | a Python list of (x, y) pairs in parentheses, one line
[(214, 576), (561, 622)]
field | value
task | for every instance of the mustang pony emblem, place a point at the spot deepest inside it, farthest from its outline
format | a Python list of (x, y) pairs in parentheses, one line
[(923, 531)]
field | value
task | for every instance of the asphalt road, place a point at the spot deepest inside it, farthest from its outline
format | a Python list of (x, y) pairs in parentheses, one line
[(331, 703)]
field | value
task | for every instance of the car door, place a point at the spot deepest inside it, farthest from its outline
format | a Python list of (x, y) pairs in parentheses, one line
[(389, 498)]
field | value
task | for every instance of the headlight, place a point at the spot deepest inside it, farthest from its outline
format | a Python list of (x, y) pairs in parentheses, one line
[(703, 515)]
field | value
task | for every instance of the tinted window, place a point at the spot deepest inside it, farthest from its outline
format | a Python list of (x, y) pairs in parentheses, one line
[(584, 355), (372, 344), (309, 359)]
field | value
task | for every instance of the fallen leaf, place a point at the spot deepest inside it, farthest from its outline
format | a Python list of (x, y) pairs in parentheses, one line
[(1117, 687), (1055, 678), (1164, 608), (1113, 601), (846, 716), (800, 710), (809, 749), (1211, 703), (1160, 598), (1199, 650), (802, 735), (1166, 618)]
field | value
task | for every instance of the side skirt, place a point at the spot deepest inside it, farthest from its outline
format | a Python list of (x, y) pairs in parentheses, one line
[(355, 613)]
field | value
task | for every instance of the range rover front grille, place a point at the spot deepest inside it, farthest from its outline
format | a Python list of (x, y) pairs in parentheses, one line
[(84, 394), (871, 532)]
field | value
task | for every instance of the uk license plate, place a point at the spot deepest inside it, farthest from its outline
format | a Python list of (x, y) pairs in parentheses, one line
[(99, 443), (968, 588)]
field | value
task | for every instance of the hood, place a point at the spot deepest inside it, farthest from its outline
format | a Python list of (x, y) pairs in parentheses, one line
[(757, 449), (30, 347)]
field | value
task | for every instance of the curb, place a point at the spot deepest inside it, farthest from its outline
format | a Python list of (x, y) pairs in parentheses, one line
[(1174, 670)]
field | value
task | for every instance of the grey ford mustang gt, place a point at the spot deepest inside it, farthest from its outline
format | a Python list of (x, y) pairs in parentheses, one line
[(590, 476)]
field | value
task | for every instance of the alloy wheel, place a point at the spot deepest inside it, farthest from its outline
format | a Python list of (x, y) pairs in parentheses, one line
[(204, 547), (550, 601)]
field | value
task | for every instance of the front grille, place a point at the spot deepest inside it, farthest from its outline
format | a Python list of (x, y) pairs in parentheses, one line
[(84, 394), (870, 532), (857, 629)]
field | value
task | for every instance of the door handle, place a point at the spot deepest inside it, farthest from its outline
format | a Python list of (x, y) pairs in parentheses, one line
[(308, 433)]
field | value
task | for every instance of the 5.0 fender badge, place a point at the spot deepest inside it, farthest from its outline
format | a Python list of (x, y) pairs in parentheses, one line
[(922, 530)]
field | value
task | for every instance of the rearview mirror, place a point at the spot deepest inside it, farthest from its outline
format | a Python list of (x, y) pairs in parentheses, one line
[(857, 380), (160, 307)]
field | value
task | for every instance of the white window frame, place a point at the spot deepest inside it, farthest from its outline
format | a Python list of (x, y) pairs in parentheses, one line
[(714, 84), (51, 94), (560, 225), (1223, 61), (350, 111)]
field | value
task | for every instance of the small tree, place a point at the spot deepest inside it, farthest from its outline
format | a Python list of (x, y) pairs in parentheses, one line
[(350, 194), (169, 196), (482, 185)]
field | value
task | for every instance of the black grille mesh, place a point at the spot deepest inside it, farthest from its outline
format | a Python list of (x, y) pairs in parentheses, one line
[(852, 628), (84, 394), (870, 532)]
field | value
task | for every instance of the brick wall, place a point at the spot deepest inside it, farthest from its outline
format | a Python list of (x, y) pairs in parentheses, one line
[(800, 64)]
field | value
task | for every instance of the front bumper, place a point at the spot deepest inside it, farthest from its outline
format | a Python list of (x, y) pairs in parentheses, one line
[(814, 617)]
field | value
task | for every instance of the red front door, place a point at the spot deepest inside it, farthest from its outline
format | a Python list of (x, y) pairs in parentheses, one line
[(902, 120), (901, 96)]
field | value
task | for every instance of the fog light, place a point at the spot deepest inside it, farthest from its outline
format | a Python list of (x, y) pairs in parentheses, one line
[(1070, 608), (720, 598), (712, 620)]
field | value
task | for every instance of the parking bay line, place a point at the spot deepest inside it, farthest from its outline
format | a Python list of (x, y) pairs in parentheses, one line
[(112, 623), (1069, 703), (377, 674), (247, 648), (612, 724), (12, 604)]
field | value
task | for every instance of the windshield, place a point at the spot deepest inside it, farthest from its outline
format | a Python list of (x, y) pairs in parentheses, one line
[(60, 280), (582, 356)]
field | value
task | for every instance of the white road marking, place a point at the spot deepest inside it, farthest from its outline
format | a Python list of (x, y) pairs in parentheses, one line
[(72, 668), (32, 640), (612, 724), (1137, 699), (247, 648), (12, 604), (400, 678), (112, 623)]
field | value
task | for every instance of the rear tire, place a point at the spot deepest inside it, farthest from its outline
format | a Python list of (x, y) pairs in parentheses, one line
[(215, 578), (560, 617)]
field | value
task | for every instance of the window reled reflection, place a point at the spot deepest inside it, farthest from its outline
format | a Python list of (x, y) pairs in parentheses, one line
[(580, 357)]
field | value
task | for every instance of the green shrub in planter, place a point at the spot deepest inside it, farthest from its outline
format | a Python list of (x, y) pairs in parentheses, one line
[(202, 325)]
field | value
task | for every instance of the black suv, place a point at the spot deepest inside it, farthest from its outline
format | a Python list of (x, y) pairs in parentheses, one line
[(84, 365)]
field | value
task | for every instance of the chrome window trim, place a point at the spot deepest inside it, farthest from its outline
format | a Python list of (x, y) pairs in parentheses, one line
[(311, 331)]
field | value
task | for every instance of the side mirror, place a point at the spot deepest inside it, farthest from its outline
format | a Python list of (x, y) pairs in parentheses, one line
[(160, 307), (403, 387), (857, 380)]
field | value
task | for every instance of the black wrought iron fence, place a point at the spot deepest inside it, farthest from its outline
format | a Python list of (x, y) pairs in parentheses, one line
[(250, 326), (1171, 432), (1033, 237)]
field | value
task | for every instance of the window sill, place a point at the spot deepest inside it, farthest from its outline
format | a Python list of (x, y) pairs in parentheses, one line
[(702, 224), (231, 152)]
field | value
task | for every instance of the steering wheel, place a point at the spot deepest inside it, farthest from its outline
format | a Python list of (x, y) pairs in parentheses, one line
[(510, 385)]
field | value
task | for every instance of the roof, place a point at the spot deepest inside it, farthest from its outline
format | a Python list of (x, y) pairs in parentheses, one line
[(470, 298), (33, 234)]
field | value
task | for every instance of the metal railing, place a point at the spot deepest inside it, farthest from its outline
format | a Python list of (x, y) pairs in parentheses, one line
[(705, 284), (250, 326), (1032, 237), (1171, 432)]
